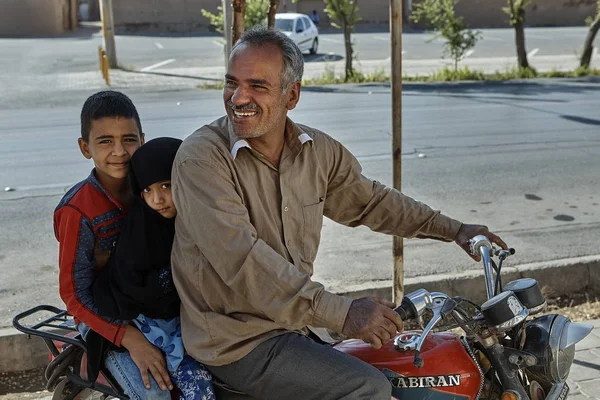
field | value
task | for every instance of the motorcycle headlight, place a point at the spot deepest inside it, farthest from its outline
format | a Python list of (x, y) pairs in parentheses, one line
[(552, 339)]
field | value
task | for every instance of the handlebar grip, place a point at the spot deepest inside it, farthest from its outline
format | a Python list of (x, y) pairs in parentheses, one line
[(406, 310)]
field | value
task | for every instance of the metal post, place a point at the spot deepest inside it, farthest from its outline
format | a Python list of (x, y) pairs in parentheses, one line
[(108, 30), (227, 22), (396, 39)]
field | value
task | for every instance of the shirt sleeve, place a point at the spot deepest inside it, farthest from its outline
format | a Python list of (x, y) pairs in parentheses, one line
[(212, 212), (352, 200), (78, 271)]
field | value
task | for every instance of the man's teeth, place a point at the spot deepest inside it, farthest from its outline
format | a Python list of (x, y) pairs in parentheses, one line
[(244, 113)]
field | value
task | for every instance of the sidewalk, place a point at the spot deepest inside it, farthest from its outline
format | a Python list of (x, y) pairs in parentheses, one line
[(584, 378), (186, 78)]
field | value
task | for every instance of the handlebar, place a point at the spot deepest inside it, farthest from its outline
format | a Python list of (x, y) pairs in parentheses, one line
[(406, 310), (482, 246)]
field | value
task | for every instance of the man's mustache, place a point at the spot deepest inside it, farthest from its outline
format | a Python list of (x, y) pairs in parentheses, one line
[(246, 107)]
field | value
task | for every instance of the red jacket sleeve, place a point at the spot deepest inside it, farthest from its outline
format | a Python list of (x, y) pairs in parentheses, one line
[(78, 271)]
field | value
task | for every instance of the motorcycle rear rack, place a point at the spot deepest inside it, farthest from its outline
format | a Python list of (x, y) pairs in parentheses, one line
[(61, 320)]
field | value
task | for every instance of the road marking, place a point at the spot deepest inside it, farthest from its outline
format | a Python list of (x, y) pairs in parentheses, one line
[(160, 46), (330, 40), (469, 52), (160, 64), (533, 52), (217, 43), (384, 38)]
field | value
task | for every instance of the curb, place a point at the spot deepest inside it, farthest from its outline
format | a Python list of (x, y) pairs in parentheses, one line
[(558, 277)]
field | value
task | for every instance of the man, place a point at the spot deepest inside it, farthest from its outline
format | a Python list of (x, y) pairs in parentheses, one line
[(315, 17), (251, 189)]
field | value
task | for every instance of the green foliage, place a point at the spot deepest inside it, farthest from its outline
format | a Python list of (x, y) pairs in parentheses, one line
[(342, 12), (329, 77), (515, 10), (590, 20), (256, 12), (440, 15)]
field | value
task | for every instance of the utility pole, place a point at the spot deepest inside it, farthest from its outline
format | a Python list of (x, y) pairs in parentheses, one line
[(396, 39), (227, 20), (108, 30)]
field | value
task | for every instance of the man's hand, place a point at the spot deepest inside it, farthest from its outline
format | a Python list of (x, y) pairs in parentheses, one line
[(372, 320), (468, 232), (147, 357)]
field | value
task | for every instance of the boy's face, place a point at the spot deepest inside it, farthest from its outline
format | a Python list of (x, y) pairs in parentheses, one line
[(111, 144), (158, 197)]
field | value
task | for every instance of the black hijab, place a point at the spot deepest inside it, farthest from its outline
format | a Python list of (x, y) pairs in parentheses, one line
[(137, 278)]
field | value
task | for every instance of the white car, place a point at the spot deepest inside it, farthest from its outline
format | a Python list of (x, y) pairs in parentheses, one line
[(300, 29)]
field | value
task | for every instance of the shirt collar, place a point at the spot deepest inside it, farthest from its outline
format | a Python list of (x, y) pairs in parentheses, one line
[(291, 131), (95, 182)]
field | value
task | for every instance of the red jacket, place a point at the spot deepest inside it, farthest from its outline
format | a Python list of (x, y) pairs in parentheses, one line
[(87, 222)]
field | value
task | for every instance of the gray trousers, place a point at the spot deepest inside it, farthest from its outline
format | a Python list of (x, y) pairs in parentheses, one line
[(293, 366)]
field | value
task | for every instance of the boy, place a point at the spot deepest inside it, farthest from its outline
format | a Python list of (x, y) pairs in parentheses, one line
[(87, 222)]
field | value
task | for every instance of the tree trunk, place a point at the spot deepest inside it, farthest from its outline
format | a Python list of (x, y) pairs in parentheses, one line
[(588, 46), (349, 52), (273, 5), (239, 19), (520, 38)]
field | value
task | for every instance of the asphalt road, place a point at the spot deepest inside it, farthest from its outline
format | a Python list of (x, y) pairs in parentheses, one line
[(78, 52), (522, 158)]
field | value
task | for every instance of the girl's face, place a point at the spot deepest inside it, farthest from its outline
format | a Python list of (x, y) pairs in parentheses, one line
[(158, 197)]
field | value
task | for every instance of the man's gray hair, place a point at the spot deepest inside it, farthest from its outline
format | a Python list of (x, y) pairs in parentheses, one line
[(293, 62)]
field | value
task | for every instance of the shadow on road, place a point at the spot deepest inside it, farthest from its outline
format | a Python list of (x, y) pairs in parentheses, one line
[(328, 57)]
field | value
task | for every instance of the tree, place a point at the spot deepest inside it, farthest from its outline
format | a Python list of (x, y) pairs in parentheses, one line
[(516, 12), (440, 15), (239, 19), (254, 15), (344, 15), (588, 45), (273, 5)]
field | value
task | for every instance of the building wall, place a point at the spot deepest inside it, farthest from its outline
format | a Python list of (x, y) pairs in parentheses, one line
[(37, 17), (489, 14), (186, 15), (163, 15)]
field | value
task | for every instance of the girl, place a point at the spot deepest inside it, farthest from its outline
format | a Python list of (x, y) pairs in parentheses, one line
[(136, 283)]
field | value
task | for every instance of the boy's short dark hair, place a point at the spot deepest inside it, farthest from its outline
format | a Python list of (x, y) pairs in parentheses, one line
[(106, 104)]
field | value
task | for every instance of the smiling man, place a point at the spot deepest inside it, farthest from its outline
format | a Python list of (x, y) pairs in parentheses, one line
[(251, 190)]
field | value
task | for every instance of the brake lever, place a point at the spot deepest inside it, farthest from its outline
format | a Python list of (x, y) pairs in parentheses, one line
[(440, 312)]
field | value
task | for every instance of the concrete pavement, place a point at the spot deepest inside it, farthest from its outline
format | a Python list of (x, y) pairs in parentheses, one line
[(191, 77)]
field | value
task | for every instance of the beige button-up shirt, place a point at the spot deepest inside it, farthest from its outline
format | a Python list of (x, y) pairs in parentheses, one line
[(247, 233)]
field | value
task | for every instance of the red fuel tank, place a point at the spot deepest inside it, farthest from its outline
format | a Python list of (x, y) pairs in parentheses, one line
[(449, 372)]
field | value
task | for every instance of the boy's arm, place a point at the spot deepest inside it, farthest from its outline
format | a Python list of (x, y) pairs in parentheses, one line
[(78, 271)]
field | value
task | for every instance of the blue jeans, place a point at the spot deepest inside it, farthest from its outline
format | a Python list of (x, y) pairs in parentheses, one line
[(192, 378), (128, 376)]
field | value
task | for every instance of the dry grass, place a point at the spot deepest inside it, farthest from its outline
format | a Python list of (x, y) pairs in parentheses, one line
[(578, 307)]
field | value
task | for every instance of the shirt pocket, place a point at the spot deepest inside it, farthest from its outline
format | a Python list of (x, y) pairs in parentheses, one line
[(312, 223)]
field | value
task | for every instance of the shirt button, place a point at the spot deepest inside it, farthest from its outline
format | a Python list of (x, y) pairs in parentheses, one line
[(289, 242), (285, 209)]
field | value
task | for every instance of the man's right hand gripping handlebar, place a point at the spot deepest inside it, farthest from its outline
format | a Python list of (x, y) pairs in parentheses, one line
[(373, 320)]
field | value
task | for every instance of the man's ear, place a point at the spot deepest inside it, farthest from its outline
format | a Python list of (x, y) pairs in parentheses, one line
[(293, 95), (84, 147), (142, 138)]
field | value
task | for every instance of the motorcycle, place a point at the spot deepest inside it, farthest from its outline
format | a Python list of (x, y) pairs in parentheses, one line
[(500, 352)]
